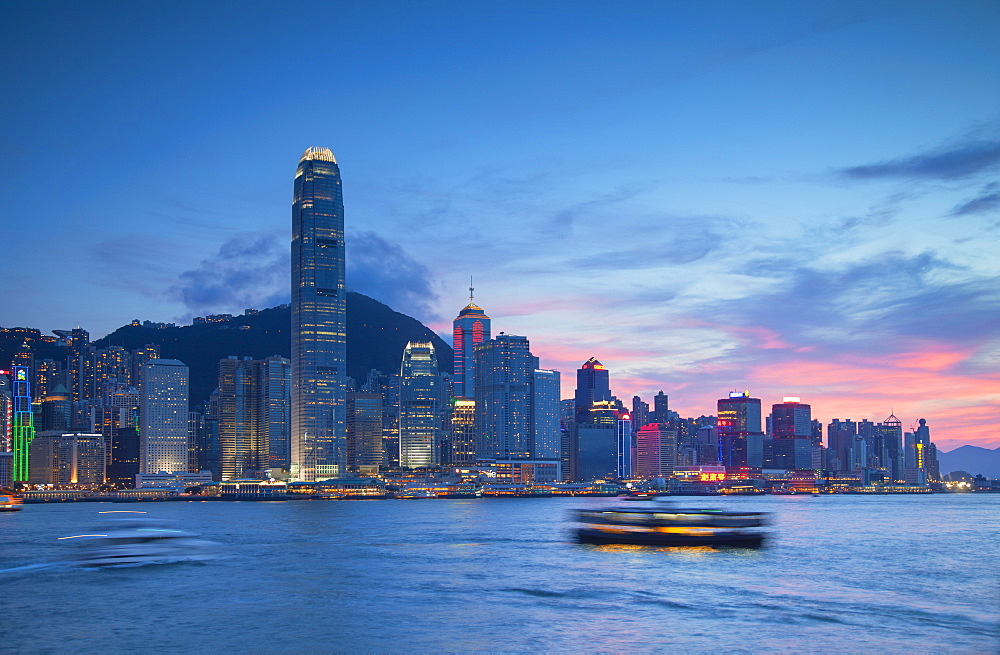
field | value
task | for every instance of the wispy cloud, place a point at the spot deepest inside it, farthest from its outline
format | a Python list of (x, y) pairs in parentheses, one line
[(954, 162), (987, 201)]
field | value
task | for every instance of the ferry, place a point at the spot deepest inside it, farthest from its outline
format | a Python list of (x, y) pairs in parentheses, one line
[(10, 504), (134, 541), (669, 526)]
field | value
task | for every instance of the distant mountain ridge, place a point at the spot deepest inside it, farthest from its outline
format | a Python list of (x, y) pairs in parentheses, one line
[(376, 337), (973, 459)]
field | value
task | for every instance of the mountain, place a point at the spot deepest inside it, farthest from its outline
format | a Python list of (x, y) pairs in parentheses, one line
[(376, 337), (975, 460)]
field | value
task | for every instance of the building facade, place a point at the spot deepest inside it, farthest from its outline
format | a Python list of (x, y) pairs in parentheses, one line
[(505, 371), (163, 416)]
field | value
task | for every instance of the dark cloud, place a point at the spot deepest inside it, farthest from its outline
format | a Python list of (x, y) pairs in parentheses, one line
[(249, 270), (381, 269), (954, 162), (988, 200)]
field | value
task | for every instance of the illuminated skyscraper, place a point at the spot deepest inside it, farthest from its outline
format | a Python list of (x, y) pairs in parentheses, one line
[(655, 451), (163, 415), (463, 432), (593, 394), (624, 446), (890, 432), (23, 427), (319, 319), (792, 433), (472, 327), (420, 396), (740, 436)]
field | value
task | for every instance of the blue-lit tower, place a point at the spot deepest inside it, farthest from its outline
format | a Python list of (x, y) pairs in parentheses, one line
[(23, 427), (624, 446), (319, 320)]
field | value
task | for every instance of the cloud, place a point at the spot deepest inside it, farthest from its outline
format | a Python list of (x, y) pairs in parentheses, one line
[(953, 162), (988, 200), (381, 269), (863, 306), (249, 270)]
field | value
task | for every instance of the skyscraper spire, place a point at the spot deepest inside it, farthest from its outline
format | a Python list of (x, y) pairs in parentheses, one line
[(471, 289)]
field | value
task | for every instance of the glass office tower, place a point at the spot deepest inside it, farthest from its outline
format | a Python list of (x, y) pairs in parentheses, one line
[(319, 325)]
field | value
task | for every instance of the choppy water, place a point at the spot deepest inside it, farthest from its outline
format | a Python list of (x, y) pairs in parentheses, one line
[(844, 573)]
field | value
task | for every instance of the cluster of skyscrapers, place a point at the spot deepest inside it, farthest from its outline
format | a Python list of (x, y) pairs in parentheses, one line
[(106, 416)]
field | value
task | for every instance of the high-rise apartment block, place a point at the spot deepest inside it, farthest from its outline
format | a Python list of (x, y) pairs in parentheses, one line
[(319, 319)]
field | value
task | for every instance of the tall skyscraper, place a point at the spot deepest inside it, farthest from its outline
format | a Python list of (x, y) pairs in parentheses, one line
[(420, 398), (791, 429), (163, 412), (661, 408), (319, 319), (505, 371), (593, 393), (891, 435), (471, 328)]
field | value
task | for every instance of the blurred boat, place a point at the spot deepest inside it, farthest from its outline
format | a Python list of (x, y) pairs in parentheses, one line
[(132, 541), (10, 504), (668, 526)]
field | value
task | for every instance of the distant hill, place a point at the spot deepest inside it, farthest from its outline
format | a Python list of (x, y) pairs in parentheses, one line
[(975, 460), (376, 337)]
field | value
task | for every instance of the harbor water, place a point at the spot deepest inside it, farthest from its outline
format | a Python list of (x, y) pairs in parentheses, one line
[(892, 573)]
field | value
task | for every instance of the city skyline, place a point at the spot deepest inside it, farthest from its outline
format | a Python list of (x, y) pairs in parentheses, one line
[(797, 200)]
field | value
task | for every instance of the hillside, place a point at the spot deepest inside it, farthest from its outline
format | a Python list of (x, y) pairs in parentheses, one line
[(376, 336), (974, 459)]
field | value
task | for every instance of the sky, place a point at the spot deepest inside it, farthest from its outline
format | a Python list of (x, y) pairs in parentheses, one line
[(793, 198)]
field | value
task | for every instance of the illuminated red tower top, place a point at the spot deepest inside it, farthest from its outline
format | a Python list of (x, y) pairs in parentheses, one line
[(471, 327)]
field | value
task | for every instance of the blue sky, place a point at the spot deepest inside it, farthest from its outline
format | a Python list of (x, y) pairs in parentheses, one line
[(795, 198)]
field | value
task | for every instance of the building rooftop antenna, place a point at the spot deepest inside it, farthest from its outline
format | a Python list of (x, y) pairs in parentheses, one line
[(471, 289)]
